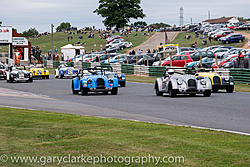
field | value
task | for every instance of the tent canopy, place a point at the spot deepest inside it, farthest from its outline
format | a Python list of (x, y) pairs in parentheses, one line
[(69, 46)]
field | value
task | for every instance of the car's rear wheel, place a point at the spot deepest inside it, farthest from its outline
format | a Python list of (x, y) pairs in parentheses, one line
[(47, 77), (73, 89), (207, 93), (215, 90), (123, 84), (31, 80), (172, 93), (157, 92), (114, 91), (230, 89), (61, 76)]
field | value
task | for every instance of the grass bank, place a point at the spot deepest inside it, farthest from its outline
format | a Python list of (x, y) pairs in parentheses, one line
[(183, 42), (40, 133)]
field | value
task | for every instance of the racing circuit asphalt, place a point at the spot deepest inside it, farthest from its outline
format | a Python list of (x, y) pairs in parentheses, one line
[(137, 101)]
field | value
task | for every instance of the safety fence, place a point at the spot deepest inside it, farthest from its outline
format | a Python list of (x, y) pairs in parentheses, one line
[(241, 75)]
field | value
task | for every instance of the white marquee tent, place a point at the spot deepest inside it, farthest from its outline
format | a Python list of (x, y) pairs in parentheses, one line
[(69, 51)]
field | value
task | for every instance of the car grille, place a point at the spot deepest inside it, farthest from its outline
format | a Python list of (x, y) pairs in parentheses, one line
[(100, 83), (216, 80), (192, 83)]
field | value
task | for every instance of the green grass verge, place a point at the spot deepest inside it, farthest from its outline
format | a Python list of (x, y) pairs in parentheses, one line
[(238, 87), (183, 42), (40, 133)]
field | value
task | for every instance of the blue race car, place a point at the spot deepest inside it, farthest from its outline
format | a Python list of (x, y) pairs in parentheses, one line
[(121, 77), (64, 71), (95, 80)]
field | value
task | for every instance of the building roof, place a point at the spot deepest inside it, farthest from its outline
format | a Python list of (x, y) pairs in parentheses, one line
[(69, 46), (219, 20)]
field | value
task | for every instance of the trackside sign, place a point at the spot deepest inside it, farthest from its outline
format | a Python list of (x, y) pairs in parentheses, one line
[(20, 41), (5, 34)]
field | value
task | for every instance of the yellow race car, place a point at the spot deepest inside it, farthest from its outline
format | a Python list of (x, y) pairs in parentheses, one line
[(218, 81), (39, 72)]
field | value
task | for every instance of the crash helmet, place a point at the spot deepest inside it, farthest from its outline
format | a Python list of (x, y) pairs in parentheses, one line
[(170, 72)]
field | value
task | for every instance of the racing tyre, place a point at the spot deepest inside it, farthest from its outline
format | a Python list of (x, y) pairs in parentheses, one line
[(207, 93), (61, 76), (114, 91), (123, 84), (172, 93), (31, 80), (157, 92), (230, 89), (11, 80), (47, 77), (84, 91), (215, 90), (75, 92), (4, 78)]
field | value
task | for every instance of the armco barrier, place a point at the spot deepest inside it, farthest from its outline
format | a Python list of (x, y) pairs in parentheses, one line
[(241, 75), (127, 69), (156, 71), (86, 65), (56, 64), (70, 64)]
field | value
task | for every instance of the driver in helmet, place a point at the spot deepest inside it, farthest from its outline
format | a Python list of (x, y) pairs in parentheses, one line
[(168, 75)]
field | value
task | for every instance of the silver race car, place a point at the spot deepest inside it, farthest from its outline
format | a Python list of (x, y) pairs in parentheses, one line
[(18, 75), (177, 83)]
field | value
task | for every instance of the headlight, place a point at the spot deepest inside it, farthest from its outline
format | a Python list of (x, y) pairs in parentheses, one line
[(90, 80), (226, 79), (179, 81), (203, 82), (110, 80)]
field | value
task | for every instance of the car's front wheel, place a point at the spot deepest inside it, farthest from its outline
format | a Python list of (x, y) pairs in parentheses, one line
[(207, 93), (73, 89), (114, 91), (84, 91), (123, 84), (230, 89)]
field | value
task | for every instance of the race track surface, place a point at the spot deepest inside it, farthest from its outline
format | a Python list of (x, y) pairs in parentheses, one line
[(135, 102)]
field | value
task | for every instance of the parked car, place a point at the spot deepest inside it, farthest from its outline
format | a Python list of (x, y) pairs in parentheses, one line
[(119, 57), (175, 83), (218, 81), (18, 75), (231, 38), (225, 60), (206, 63), (64, 71), (221, 34), (95, 80), (177, 61), (201, 54)]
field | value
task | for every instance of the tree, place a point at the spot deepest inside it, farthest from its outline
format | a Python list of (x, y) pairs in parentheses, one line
[(31, 32), (117, 13), (140, 24), (159, 25), (63, 26)]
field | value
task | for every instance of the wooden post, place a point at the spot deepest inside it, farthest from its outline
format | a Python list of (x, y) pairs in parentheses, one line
[(160, 62), (136, 60), (171, 60), (147, 60), (127, 59), (201, 60), (185, 61), (216, 61)]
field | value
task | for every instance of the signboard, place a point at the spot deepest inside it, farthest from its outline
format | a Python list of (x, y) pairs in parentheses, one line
[(5, 34), (20, 41)]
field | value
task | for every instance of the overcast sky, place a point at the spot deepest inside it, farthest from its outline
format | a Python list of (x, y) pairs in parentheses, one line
[(23, 14)]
